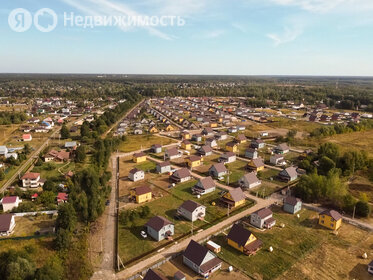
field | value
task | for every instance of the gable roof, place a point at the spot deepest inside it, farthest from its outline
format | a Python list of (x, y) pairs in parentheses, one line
[(172, 151), (257, 162), (141, 154), (152, 275), (239, 234), (182, 173), (142, 190), (219, 167), (190, 205), (207, 183), (291, 171), (282, 147), (237, 194), (30, 176), (135, 170), (251, 177), (291, 200), (332, 213), (5, 220), (206, 148), (163, 164), (157, 223), (9, 199), (193, 158), (195, 252), (264, 212)]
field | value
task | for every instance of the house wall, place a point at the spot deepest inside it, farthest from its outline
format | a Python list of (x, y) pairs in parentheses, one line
[(191, 265), (9, 206), (256, 221), (137, 176), (235, 245), (144, 197), (139, 159), (329, 222), (164, 169)]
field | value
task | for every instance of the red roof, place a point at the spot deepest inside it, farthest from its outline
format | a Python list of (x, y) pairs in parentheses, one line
[(9, 199), (26, 136), (31, 176), (62, 196), (35, 195)]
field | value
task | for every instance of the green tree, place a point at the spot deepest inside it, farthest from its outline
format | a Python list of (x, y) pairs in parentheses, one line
[(2, 175), (66, 218), (47, 198), (19, 269), (362, 208), (329, 150), (51, 270), (325, 165), (65, 133), (80, 154)]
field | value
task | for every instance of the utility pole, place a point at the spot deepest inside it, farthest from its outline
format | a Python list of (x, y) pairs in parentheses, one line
[(192, 226), (353, 213), (228, 210)]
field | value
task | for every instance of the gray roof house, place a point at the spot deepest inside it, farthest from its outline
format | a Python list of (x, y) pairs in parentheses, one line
[(204, 186), (156, 148), (181, 175), (159, 228), (249, 181), (136, 175), (218, 170), (289, 174), (205, 150), (192, 211), (282, 149), (71, 145), (292, 204), (163, 167), (251, 153), (228, 157), (172, 153), (200, 259), (257, 143), (262, 218), (277, 159)]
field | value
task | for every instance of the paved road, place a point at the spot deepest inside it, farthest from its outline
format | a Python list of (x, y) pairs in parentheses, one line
[(290, 148)]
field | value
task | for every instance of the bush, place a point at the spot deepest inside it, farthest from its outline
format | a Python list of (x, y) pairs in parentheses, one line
[(362, 208)]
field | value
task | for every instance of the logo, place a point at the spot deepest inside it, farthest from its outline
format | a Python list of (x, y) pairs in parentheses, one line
[(20, 20)]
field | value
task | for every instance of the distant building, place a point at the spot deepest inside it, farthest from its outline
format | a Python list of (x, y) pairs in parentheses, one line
[(10, 202), (159, 228), (292, 205), (7, 224)]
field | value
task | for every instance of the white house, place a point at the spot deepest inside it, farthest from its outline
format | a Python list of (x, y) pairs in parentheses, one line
[(31, 180), (136, 175), (7, 224), (10, 202), (192, 211)]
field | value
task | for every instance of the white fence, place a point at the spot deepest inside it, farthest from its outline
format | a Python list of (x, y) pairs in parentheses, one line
[(50, 212)]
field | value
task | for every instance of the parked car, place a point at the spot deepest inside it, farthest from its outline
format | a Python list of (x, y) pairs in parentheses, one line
[(143, 234), (107, 202)]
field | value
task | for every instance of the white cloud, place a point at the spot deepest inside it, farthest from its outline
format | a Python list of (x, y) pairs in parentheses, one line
[(214, 34), (289, 35), (239, 27)]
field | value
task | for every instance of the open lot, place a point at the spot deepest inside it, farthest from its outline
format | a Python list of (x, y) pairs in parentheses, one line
[(29, 225), (302, 250), (136, 142)]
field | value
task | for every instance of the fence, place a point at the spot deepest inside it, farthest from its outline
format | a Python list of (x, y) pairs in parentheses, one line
[(49, 212)]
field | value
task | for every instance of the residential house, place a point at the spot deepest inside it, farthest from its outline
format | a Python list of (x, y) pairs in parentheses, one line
[(59, 156), (153, 275), (141, 194), (292, 204), (277, 159), (249, 181), (208, 131), (330, 219), (136, 175), (231, 147), (289, 174), (181, 175), (228, 157), (211, 142), (221, 136), (218, 170), (233, 198), (200, 259), (192, 211), (7, 224), (186, 135), (172, 153), (186, 145), (160, 228), (31, 180), (62, 198), (26, 137), (163, 167), (205, 150), (10, 202), (169, 128), (193, 161), (179, 276), (251, 153), (232, 129), (204, 186), (241, 138), (243, 240), (256, 164), (156, 149), (71, 145), (197, 137), (139, 157), (282, 149), (262, 218), (3, 150), (153, 129), (257, 144)]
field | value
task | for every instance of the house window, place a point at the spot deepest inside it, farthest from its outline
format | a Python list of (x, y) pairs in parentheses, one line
[(332, 225), (322, 221)]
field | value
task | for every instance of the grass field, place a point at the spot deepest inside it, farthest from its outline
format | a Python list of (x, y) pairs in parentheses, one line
[(136, 142), (131, 244), (6, 132), (299, 239), (356, 140), (302, 126), (27, 226)]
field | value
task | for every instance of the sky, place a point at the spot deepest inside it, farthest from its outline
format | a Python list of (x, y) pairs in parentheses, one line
[(207, 37)]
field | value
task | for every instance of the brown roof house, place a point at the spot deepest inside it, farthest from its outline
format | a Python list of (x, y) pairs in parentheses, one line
[(205, 150), (200, 259), (289, 174), (163, 167), (192, 211), (152, 275), (136, 175), (160, 228), (172, 154), (204, 186), (249, 181), (7, 224), (263, 218), (243, 240), (181, 175), (218, 170), (234, 198)]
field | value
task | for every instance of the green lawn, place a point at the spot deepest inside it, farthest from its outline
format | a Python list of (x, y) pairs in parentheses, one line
[(237, 169), (290, 244), (132, 245), (146, 166)]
